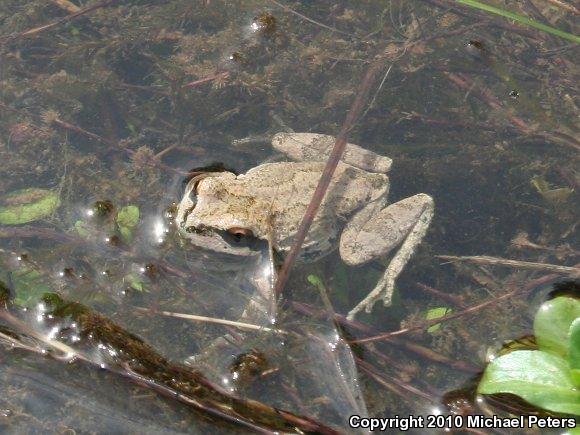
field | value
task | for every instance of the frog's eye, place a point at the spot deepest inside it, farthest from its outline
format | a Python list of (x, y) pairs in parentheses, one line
[(239, 233), (239, 237)]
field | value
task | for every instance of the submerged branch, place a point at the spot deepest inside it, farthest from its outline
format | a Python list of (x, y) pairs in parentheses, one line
[(126, 354), (73, 16), (495, 261), (468, 311), (326, 177)]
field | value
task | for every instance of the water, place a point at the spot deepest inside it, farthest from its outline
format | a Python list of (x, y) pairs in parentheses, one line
[(119, 104)]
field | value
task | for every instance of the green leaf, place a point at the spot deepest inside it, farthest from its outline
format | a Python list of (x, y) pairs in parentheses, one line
[(81, 229), (520, 19), (316, 281), (575, 431), (552, 324), (127, 220), (28, 205), (540, 378), (29, 287), (128, 216), (135, 282), (435, 313), (574, 352)]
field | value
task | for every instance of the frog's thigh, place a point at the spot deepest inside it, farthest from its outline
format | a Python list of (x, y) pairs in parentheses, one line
[(373, 233), (406, 221), (307, 147)]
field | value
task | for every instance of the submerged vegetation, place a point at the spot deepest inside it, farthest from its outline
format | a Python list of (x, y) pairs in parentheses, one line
[(106, 106)]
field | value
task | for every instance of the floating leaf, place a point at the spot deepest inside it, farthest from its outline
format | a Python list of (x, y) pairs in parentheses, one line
[(552, 324), (80, 226), (435, 313), (135, 282), (28, 205), (28, 287), (540, 184), (540, 378), (127, 220)]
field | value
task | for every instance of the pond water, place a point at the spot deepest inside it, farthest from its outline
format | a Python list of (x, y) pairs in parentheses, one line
[(107, 107)]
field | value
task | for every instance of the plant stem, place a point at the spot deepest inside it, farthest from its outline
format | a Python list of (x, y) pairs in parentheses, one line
[(520, 19)]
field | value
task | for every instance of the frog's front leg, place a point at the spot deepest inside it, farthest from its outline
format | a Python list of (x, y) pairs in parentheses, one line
[(375, 230)]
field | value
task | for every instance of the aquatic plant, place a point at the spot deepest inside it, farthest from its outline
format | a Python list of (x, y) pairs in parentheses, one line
[(520, 19), (549, 377)]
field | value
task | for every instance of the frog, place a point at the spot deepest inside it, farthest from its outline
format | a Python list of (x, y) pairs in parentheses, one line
[(224, 212)]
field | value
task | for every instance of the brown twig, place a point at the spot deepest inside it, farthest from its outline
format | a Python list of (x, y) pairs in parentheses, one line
[(398, 385), (310, 20), (112, 145), (218, 75), (529, 265), (326, 177), (453, 300), (485, 95), (468, 311), (415, 348), (37, 30)]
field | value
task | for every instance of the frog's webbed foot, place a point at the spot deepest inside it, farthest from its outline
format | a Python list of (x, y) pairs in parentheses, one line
[(373, 233)]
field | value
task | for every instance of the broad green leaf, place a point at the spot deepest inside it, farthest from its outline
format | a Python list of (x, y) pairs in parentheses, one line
[(28, 205), (127, 220), (574, 352), (552, 324), (575, 431), (28, 287), (540, 378), (435, 313)]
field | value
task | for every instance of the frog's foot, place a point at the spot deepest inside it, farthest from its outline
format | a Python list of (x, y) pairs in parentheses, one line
[(373, 233)]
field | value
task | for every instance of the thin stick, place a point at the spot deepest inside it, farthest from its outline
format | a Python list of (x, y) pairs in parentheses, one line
[(223, 74), (325, 179), (37, 30), (412, 347), (451, 299), (214, 320), (473, 309), (495, 261), (310, 20), (372, 372)]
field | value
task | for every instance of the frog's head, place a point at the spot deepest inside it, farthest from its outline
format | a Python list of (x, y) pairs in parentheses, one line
[(212, 217)]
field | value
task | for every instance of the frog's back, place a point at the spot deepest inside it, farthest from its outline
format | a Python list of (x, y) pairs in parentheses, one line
[(286, 188)]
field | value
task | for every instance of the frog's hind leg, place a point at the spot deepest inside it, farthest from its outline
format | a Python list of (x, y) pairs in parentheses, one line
[(375, 231)]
